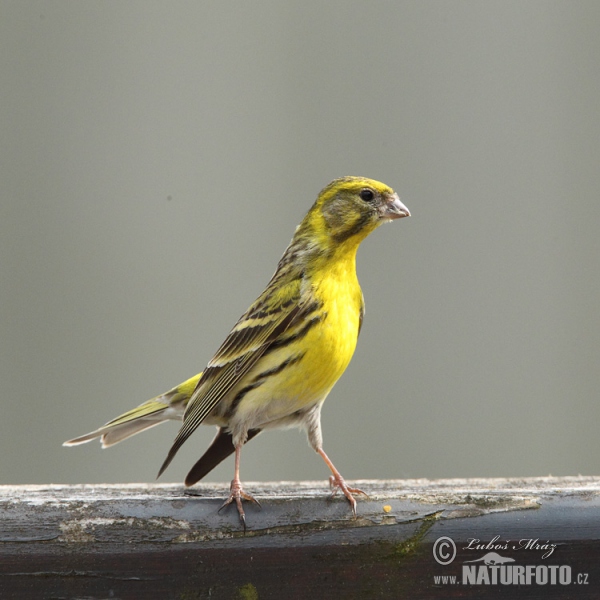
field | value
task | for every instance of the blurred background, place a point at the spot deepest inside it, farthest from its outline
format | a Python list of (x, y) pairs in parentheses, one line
[(157, 156)]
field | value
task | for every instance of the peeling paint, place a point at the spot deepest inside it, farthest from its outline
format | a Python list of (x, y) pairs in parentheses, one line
[(74, 532), (82, 530)]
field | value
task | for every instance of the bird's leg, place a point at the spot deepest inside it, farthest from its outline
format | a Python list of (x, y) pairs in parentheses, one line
[(236, 492), (336, 481)]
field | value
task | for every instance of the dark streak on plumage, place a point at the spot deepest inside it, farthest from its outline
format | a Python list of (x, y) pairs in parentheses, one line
[(275, 370), (361, 316), (285, 340), (356, 227), (258, 312), (258, 381), (240, 395), (239, 338)]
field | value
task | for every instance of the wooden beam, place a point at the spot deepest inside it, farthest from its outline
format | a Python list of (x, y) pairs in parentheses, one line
[(157, 541)]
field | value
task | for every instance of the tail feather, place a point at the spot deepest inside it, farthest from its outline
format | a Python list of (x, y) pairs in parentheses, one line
[(220, 448), (118, 434), (167, 406), (143, 417)]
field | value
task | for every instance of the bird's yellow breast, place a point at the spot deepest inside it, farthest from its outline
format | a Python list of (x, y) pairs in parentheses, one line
[(331, 345), (316, 359)]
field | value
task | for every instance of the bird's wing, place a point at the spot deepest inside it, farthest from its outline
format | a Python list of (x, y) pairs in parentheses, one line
[(263, 324)]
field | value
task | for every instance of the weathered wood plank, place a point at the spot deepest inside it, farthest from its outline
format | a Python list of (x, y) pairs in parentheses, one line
[(156, 541)]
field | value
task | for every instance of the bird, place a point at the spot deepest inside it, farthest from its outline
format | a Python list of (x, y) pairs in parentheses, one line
[(283, 356)]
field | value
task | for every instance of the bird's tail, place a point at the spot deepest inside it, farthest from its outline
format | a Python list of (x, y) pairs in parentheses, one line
[(168, 406), (220, 448)]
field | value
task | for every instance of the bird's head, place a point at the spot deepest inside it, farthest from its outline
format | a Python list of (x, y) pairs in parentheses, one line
[(349, 208)]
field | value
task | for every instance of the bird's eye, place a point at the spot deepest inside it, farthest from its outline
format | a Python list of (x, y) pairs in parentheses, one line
[(367, 195)]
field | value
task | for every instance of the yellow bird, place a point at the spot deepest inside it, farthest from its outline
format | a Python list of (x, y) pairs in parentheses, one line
[(286, 352)]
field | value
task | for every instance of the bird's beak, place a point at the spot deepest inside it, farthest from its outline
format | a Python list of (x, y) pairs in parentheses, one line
[(393, 208)]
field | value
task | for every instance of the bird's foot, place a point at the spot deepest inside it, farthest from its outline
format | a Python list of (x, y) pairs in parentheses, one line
[(337, 483), (237, 494)]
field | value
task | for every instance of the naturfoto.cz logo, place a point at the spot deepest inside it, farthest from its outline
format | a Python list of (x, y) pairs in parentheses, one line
[(494, 568)]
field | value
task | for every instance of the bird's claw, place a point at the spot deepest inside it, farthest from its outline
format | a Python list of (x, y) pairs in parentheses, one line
[(337, 483), (237, 494)]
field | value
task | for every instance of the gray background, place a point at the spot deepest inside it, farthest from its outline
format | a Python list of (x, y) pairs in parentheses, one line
[(156, 157)]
